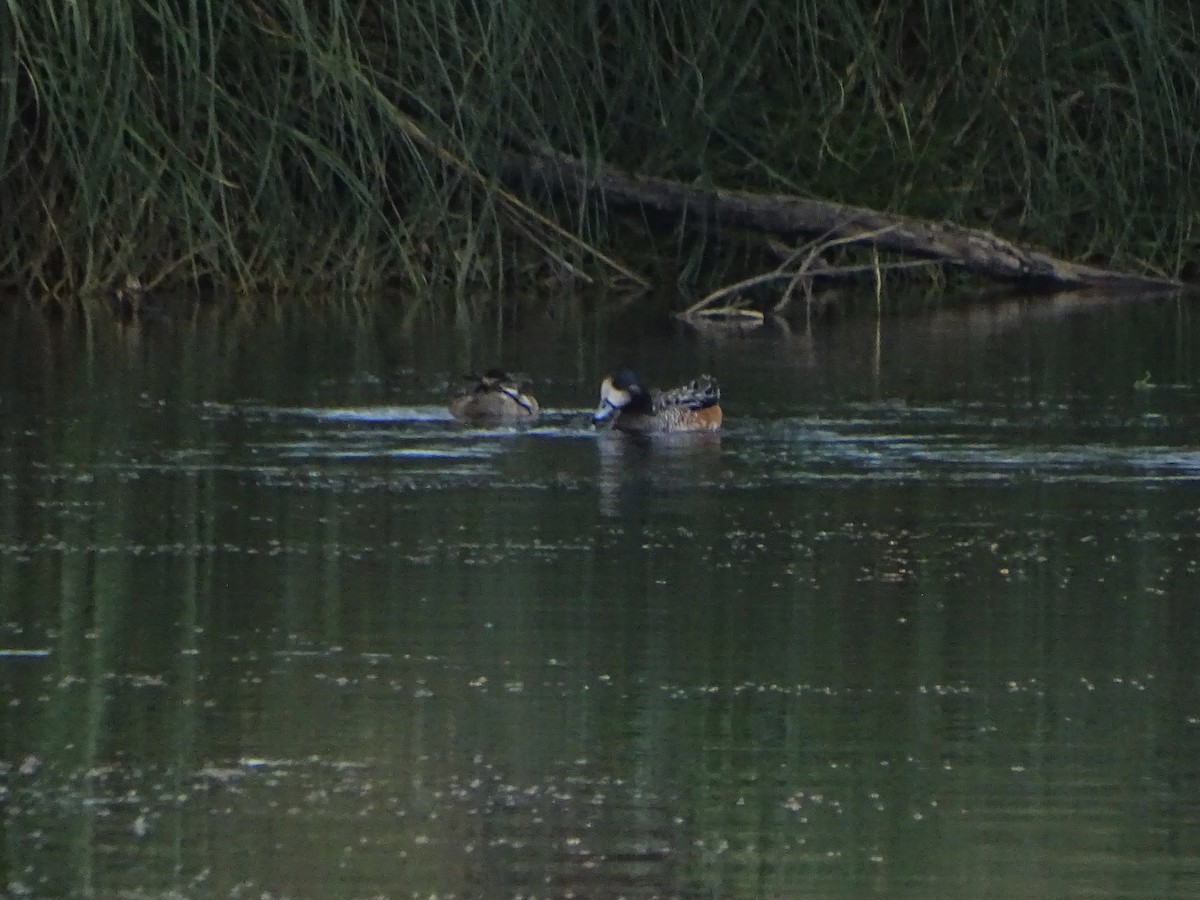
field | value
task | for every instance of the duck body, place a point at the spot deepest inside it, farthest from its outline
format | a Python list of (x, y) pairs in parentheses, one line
[(495, 397), (631, 406)]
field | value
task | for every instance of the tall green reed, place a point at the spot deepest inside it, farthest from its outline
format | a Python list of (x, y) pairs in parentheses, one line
[(351, 148)]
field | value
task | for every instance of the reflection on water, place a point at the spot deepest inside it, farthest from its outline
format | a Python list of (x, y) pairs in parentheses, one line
[(918, 623), (635, 471)]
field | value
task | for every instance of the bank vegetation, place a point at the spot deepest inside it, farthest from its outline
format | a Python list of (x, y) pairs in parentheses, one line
[(296, 148)]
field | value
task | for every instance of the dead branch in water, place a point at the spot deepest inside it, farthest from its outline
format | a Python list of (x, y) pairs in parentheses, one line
[(971, 249), (801, 275)]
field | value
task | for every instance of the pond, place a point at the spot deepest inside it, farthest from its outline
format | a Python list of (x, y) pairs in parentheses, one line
[(919, 622)]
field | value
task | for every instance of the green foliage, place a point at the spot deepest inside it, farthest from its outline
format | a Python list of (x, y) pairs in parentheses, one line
[(347, 148)]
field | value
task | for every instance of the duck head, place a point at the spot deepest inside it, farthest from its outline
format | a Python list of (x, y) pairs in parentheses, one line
[(620, 390)]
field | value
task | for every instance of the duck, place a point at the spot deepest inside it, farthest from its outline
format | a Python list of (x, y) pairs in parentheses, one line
[(631, 406), (496, 396)]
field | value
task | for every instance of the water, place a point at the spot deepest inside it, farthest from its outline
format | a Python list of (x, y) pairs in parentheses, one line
[(919, 623)]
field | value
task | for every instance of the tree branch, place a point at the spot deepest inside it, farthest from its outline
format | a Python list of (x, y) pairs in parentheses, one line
[(971, 249)]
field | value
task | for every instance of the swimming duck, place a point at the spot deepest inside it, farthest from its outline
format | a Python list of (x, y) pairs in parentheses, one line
[(496, 396), (694, 406)]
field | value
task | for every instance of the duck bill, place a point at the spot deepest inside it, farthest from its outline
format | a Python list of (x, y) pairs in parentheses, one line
[(528, 404), (603, 413)]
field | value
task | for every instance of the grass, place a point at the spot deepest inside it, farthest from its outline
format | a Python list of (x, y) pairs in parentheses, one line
[(283, 147)]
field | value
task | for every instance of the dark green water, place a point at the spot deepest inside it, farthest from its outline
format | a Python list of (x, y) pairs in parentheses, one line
[(920, 623)]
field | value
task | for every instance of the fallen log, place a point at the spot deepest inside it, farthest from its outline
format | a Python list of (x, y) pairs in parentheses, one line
[(786, 215)]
